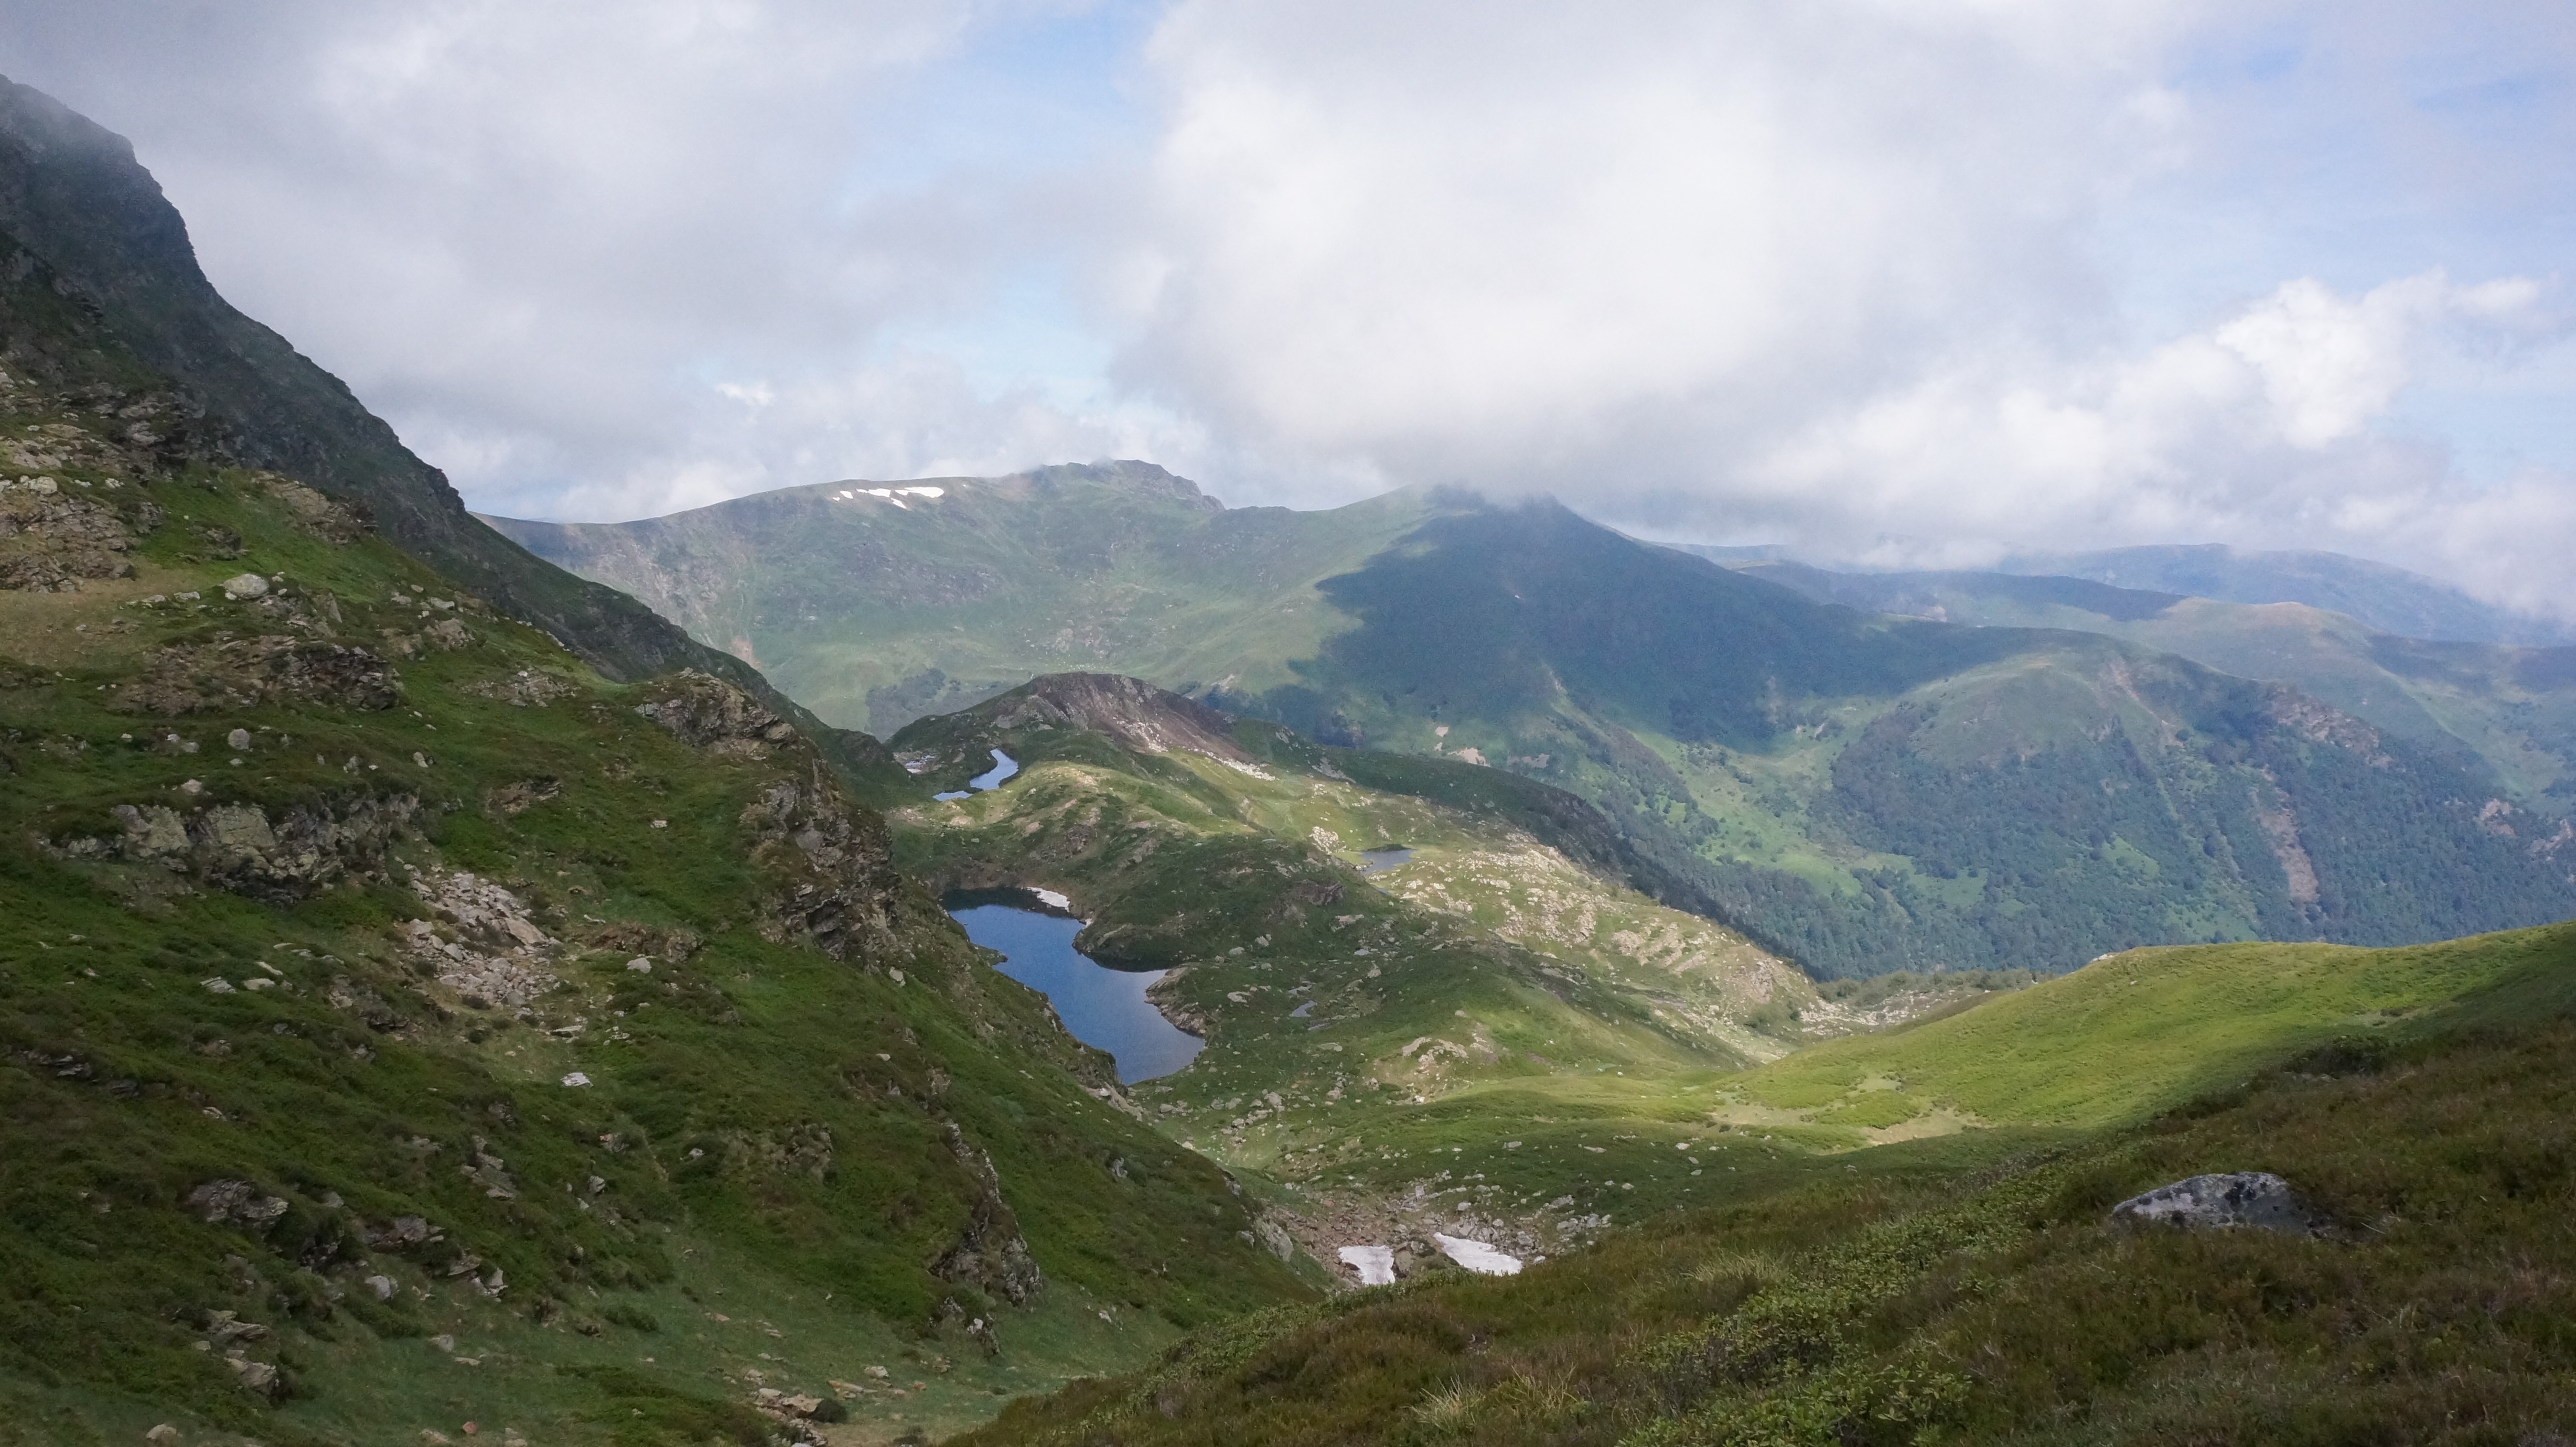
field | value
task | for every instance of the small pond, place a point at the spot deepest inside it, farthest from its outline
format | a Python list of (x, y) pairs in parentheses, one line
[(1373, 860), (1004, 766), (1101, 1007)]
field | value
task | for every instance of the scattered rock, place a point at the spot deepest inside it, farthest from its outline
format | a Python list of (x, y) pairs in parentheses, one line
[(521, 796), (162, 1436), (527, 688), (447, 635), (499, 957), (2256, 1199), (246, 672), (223, 1328), (382, 1286), (48, 542), (229, 1202), (400, 1234), (243, 587)]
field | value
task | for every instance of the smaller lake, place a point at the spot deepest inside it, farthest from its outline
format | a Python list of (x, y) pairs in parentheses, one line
[(1099, 1006), (1004, 766), (1373, 860)]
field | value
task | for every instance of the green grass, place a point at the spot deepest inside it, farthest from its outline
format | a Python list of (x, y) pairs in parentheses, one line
[(2139, 1032), (1936, 1292), (356, 1089)]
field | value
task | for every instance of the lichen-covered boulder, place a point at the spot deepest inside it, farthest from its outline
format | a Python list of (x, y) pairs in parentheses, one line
[(2256, 1199)]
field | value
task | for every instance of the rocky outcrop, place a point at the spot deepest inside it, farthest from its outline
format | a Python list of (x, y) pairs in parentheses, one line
[(2255, 1199), (837, 860), (1130, 710), (245, 672), (333, 521), (990, 1254), (839, 882), (708, 713), (242, 848), (54, 534)]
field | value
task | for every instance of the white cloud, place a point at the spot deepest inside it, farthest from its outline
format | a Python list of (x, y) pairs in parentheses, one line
[(1921, 279), (2260, 430)]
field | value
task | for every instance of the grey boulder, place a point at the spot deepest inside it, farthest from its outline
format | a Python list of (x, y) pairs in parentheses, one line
[(2256, 1199)]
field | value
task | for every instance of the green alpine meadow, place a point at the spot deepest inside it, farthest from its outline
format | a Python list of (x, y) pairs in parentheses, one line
[(1449, 971)]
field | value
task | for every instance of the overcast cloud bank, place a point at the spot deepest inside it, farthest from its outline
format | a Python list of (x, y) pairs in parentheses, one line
[(1898, 282)]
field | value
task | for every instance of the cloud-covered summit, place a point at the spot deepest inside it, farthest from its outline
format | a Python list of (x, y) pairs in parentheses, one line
[(1912, 282)]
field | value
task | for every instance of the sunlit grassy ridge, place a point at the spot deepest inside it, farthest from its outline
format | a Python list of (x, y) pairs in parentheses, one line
[(1971, 1288), (2141, 1031)]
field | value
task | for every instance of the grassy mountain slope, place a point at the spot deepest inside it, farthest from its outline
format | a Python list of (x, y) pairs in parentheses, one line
[(1905, 1294), (1349, 1012), (1861, 794), (2513, 709), (1875, 791), (408, 1025), (116, 254), (876, 611)]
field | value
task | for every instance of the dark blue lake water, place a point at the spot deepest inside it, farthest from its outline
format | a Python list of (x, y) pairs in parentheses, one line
[(1004, 766), (1101, 1006)]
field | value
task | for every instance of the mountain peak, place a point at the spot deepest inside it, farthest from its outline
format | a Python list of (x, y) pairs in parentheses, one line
[(1135, 713), (1129, 473)]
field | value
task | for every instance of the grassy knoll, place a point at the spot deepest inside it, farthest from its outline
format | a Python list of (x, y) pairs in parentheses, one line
[(1912, 1293), (2137, 1032)]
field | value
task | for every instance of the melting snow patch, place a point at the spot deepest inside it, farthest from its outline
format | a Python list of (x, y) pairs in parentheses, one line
[(1051, 898), (1477, 1256), (895, 495), (1376, 1264), (576, 1079)]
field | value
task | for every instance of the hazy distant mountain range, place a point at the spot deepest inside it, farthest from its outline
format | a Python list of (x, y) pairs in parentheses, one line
[(1860, 790), (2383, 599)]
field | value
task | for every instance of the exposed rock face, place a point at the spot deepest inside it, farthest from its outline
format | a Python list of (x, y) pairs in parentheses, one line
[(329, 519), (990, 1253), (240, 848), (244, 672), (706, 712), (1130, 710), (51, 537), (92, 222), (837, 857), (2256, 1199)]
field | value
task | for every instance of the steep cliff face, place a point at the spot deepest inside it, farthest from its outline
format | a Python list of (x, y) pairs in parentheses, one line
[(75, 201)]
